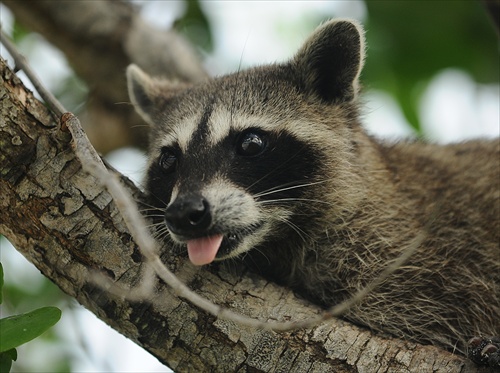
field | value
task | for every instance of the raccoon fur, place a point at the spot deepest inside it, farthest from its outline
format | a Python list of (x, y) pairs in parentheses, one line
[(271, 166)]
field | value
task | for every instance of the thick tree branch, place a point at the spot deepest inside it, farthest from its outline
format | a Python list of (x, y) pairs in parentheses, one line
[(100, 39), (67, 225)]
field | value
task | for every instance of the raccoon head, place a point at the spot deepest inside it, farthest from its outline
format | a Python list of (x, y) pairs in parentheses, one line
[(249, 160)]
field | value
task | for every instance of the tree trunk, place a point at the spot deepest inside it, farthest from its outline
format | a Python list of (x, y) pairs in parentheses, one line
[(68, 226)]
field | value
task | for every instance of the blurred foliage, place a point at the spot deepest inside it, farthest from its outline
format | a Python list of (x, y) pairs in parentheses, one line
[(72, 93), (195, 25), (70, 89), (410, 41), (19, 32), (1, 282)]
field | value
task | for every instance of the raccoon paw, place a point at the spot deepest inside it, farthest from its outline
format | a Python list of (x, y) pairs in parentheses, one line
[(484, 351)]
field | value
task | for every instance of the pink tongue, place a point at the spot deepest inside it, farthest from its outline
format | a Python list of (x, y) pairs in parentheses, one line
[(203, 250)]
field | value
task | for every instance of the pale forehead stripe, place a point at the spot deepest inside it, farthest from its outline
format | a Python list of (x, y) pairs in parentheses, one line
[(181, 134), (193, 128), (222, 121), (219, 125)]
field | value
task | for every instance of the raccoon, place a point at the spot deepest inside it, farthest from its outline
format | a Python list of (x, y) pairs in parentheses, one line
[(271, 166)]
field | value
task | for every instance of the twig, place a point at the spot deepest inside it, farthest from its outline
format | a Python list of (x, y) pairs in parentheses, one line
[(23, 65)]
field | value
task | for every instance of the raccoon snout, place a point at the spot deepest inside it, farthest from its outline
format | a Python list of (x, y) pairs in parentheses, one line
[(188, 215)]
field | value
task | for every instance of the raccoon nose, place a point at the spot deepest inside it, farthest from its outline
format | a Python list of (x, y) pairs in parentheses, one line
[(188, 215)]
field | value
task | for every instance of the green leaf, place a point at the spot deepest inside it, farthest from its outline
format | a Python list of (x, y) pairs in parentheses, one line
[(19, 32), (6, 359), (195, 25), (12, 353), (1, 283), (411, 41), (19, 329)]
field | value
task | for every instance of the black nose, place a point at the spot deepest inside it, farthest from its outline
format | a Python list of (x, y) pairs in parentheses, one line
[(188, 215)]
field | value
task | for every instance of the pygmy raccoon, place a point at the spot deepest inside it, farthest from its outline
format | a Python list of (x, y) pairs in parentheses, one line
[(272, 167)]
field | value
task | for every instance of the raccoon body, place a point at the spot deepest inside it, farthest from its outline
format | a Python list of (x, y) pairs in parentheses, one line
[(271, 166)]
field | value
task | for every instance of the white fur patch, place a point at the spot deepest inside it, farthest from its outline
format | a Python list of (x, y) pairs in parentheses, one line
[(184, 130), (231, 205), (219, 124), (180, 134), (222, 121)]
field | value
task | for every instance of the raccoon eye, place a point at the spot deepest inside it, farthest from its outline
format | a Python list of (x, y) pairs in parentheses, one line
[(251, 144), (168, 160)]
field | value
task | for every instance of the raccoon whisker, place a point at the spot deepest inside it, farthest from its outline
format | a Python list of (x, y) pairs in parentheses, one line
[(246, 255), (140, 126), (299, 231), (155, 215), (294, 199), (161, 233), (273, 171), (150, 212), (233, 95), (155, 225), (144, 204), (282, 189), (158, 199), (286, 186), (155, 219), (276, 201)]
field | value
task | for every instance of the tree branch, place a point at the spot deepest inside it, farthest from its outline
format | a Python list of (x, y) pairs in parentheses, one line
[(21, 64), (100, 39)]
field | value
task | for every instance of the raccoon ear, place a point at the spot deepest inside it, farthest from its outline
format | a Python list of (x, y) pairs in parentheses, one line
[(141, 91), (148, 95), (330, 61)]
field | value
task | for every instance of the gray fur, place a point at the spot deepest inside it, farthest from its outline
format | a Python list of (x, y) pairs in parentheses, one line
[(367, 200)]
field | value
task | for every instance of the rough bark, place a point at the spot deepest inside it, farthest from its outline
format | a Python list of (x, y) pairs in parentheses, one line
[(100, 39), (62, 221)]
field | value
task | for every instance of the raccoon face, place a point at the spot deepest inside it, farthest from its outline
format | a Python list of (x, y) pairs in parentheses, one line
[(224, 196), (240, 162)]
